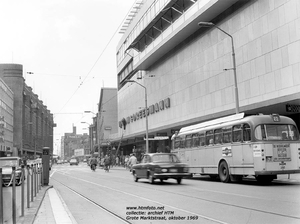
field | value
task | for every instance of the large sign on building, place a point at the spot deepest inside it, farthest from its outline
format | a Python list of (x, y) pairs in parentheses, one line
[(155, 108), (78, 152)]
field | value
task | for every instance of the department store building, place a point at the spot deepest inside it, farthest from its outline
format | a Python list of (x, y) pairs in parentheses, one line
[(26, 124), (187, 71)]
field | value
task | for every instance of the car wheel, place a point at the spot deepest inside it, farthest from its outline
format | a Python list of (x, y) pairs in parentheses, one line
[(161, 180), (151, 179), (179, 180), (135, 178), (224, 172)]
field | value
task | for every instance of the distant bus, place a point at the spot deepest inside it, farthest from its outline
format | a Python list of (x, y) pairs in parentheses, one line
[(236, 146)]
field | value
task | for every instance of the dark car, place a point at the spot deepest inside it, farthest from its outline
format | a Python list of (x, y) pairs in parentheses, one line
[(160, 166)]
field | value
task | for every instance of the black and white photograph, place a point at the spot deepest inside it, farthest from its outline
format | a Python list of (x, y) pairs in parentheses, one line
[(150, 111)]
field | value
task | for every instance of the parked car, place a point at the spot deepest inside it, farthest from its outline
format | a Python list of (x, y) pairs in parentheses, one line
[(73, 162), (160, 166), (6, 163)]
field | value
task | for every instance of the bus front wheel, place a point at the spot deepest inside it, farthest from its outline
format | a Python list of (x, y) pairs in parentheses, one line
[(224, 172)]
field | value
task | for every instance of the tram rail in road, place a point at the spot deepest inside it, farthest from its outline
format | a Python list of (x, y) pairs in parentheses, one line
[(201, 196)]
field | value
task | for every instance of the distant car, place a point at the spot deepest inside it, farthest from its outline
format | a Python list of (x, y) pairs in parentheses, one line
[(59, 161), (160, 166), (73, 162), (6, 163)]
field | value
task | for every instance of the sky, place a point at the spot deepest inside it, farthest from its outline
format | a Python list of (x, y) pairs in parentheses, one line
[(70, 47)]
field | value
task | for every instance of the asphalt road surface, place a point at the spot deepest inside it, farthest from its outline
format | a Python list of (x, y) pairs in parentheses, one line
[(113, 197)]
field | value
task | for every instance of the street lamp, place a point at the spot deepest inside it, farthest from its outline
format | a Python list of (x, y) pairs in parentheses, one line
[(146, 112), (88, 111), (210, 24)]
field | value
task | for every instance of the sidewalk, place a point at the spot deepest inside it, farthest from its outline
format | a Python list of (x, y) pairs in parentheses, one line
[(47, 208), (53, 210)]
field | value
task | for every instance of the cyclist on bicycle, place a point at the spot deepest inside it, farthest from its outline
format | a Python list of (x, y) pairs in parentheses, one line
[(93, 163), (106, 162)]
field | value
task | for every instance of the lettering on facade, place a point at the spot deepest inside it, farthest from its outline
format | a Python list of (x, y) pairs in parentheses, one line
[(154, 108)]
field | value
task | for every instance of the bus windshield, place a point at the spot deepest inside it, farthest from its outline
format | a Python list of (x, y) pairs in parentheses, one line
[(282, 132)]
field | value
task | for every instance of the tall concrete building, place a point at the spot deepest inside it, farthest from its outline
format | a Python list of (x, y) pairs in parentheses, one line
[(32, 121), (107, 118), (188, 73), (6, 119), (72, 143)]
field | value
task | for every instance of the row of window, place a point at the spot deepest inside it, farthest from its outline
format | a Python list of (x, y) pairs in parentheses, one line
[(236, 133), (153, 10)]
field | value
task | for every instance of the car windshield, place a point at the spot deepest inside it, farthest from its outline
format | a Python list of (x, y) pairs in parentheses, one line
[(165, 158), (8, 162)]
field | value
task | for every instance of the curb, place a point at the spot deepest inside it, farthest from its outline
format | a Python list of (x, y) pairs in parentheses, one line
[(31, 213)]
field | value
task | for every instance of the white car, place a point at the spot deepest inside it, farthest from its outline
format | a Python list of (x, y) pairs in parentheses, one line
[(6, 163)]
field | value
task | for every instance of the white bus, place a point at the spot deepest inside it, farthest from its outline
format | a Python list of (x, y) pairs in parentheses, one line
[(236, 146)]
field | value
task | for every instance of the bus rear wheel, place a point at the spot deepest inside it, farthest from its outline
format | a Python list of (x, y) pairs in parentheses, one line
[(224, 172)]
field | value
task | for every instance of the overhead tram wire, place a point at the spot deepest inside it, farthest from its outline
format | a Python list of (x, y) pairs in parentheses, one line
[(98, 58)]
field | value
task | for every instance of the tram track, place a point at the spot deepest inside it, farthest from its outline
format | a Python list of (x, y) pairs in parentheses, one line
[(203, 199), (93, 202)]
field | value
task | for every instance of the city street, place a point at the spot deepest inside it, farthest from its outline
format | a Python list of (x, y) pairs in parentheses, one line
[(97, 196)]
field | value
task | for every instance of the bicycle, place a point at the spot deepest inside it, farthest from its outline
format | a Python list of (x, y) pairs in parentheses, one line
[(106, 167), (93, 167)]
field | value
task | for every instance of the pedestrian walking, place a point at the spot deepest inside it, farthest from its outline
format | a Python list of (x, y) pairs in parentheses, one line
[(132, 161)]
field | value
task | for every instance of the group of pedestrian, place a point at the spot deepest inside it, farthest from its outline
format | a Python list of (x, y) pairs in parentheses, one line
[(107, 161)]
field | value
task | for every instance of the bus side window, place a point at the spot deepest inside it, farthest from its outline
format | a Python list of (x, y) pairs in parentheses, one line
[(182, 142), (202, 139), (209, 138), (196, 140), (177, 143), (227, 134), (188, 141), (218, 136), (246, 132), (237, 133)]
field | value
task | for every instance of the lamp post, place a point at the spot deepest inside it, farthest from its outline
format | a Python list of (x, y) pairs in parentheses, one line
[(88, 111), (210, 24), (91, 135), (146, 112)]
